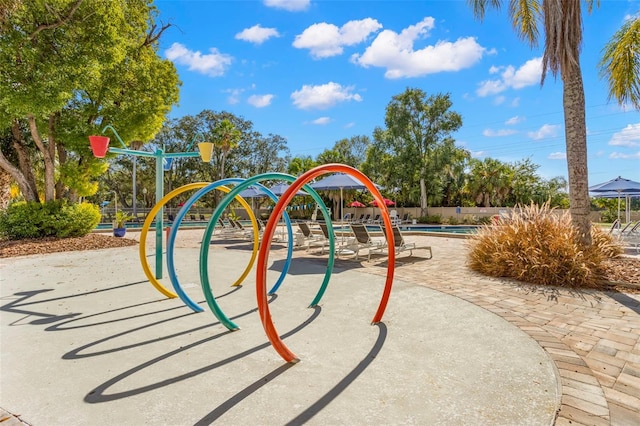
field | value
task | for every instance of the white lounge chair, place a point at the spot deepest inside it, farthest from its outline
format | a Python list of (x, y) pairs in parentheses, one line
[(307, 238), (361, 241), (401, 245)]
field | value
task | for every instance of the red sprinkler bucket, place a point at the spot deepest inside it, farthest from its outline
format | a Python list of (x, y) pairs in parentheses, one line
[(99, 145)]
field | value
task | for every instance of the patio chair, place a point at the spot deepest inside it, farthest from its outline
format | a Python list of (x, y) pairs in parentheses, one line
[(226, 229), (401, 245), (376, 219), (366, 219), (202, 217), (308, 238), (395, 219), (362, 240), (615, 225), (347, 217), (192, 217), (338, 246), (405, 218), (241, 230), (360, 219), (631, 236)]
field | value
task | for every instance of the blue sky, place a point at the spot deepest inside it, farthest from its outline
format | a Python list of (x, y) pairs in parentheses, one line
[(315, 72)]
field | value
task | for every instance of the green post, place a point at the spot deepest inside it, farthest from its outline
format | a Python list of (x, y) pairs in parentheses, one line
[(159, 195), (159, 156)]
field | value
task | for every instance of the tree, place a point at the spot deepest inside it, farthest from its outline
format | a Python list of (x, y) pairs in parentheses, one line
[(489, 182), (69, 68), (417, 126), (351, 152), (299, 165), (562, 21), (259, 154), (620, 64), (226, 137)]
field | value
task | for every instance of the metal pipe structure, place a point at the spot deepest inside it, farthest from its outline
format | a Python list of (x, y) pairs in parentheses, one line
[(159, 155)]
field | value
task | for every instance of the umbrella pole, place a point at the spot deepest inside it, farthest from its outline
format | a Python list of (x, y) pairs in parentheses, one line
[(618, 206)]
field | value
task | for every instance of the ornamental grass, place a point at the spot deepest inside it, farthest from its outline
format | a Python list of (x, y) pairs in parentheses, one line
[(541, 246)]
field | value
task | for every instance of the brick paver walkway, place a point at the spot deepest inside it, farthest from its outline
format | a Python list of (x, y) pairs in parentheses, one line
[(593, 337)]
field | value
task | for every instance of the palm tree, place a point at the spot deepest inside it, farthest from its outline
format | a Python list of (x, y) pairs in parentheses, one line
[(563, 38), (620, 63), (226, 138)]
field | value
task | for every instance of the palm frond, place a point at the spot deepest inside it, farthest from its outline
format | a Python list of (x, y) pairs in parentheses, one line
[(620, 64), (525, 15)]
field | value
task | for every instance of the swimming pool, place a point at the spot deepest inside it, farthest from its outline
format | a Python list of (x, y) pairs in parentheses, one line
[(449, 229), (441, 229), (138, 225)]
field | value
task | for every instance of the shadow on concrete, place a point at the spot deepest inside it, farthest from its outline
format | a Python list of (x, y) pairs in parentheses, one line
[(76, 353), (98, 395)]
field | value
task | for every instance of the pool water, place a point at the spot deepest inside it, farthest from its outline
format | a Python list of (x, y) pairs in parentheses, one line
[(449, 229)]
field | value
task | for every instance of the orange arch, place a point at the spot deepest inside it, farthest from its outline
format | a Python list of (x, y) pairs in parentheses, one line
[(261, 269)]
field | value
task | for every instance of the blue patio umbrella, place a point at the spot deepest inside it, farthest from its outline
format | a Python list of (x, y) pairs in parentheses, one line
[(280, 189), (338, 181), (252, 192), (619, 186)]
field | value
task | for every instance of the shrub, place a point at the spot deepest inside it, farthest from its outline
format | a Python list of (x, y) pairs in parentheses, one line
[(24, 220), (539, 246), (436, 218)]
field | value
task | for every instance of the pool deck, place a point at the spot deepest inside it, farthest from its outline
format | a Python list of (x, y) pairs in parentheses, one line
[(83, 343)]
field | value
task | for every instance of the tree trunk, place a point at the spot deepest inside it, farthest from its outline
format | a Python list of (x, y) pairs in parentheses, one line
[(48, 155), (222, 165), (576, 141), (19, 177), (423, 197), (23, 174), (60, 190)]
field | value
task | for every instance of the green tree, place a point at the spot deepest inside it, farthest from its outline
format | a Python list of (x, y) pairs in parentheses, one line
[(226, 138), (562, 21), (299, 165), (620, 64), (351, 152), (261, 154), (68, 68), (489, 182), (417, 128)]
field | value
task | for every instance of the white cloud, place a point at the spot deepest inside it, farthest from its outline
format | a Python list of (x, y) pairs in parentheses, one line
[(325, 40), (629, 136), (516, 102), (500, 132), (499, 100), (290, 5), (396, 53), (349, 125), (478, 154), (622, 156), (260, 101), (546, 131), (321, 120), (527, 75), (514, 120), (557, 156), (213, 64), (257, 34), (234, 95), (323, 96)]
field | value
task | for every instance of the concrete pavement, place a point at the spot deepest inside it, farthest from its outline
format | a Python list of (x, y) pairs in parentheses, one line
[(85, 339)]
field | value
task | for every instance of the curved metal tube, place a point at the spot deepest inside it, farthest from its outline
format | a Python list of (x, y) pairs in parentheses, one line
[(176, 225), (261, 268), (145, 228), (204, 249)]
